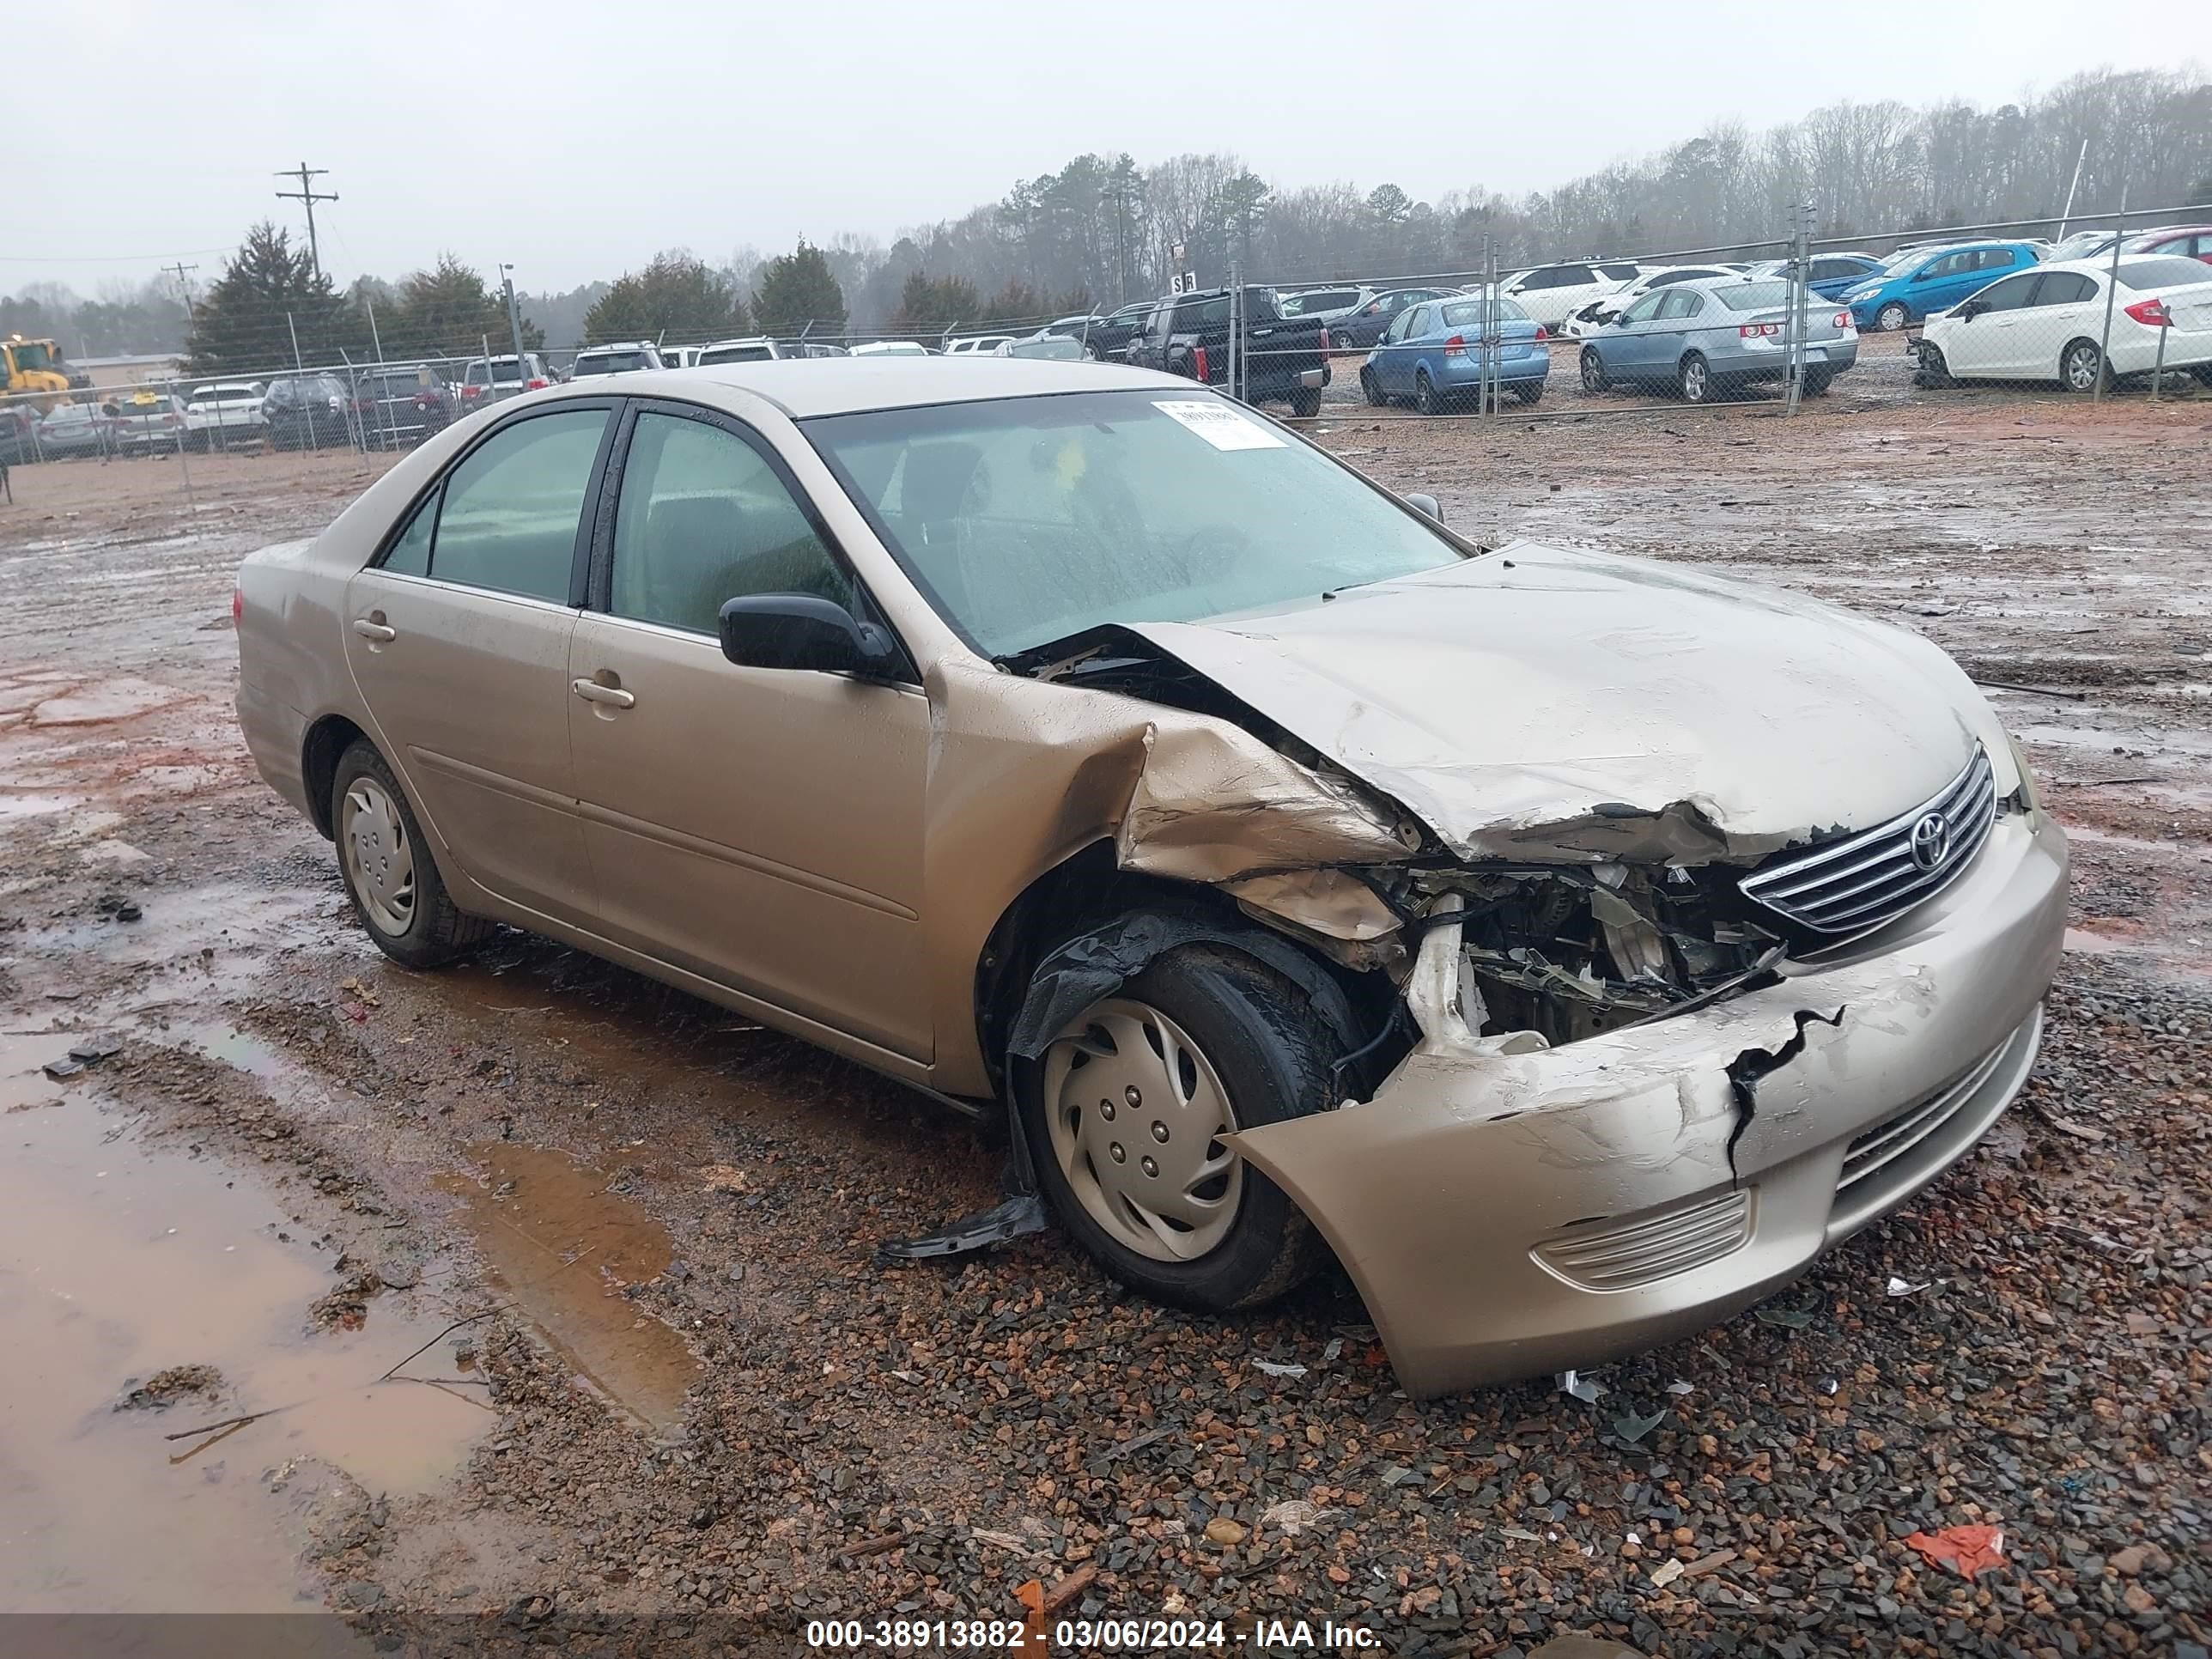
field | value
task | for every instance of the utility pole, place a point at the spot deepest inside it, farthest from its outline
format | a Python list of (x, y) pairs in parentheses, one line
[(183, 281), (513, 323), (309, 195)]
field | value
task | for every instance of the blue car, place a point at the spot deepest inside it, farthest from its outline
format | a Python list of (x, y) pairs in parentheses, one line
[(1913, 286), (1432, 355)]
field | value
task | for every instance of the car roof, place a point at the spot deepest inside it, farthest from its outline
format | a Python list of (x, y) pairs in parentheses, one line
[(847, 386)]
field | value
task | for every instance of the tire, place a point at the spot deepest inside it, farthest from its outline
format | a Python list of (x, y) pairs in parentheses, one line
[(2203, 374), (1817, 381), (1694, 380), (389, 872), (1893, 317), (1371, 389), (1528, 390), (1427, 399), (1257, 1052), (2081, 368), (1305, 401), (1594, 375), (1933, 373)]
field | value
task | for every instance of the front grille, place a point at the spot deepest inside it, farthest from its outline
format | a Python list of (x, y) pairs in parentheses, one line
[(1898, 1134), (1621, 1255), (1853, 885)]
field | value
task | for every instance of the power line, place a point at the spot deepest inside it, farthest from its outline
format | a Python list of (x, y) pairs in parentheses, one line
[(309, 195)]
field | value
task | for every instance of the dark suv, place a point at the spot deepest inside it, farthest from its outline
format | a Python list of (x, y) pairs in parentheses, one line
[(308, 412)]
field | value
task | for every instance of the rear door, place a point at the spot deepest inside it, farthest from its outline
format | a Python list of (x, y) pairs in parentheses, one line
[(458, 638), (758, 828)]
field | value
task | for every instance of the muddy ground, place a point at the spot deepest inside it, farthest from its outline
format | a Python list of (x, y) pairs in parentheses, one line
[(685, 1387)]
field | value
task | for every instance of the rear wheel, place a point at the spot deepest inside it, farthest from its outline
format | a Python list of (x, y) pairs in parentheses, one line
[(1817, 381), (1594, 377), (390, 874), (1695, 380), (2081, 367), (1528, 390), (1305, 401), (1892, 317), (1371, 389), (1427, 399), (2203, 374), (1127, 1112)]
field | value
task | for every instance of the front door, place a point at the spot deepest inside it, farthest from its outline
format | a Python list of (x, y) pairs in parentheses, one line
[(458, 637), (759, 827)]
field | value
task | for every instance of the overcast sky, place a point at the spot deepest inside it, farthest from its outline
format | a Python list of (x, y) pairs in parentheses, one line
[(576, 138)]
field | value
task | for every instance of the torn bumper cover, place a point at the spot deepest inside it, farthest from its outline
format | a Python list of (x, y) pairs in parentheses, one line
[(1506, 1214)]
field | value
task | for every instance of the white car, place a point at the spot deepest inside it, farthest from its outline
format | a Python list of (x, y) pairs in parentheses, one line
[(1552, 294), (1587, 320), (888, 349), (625, 358), (224, 412), (2045, 324), (977, 345), (1323, 305)]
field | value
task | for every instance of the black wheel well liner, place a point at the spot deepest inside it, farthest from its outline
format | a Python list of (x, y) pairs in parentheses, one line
[(327, 739)]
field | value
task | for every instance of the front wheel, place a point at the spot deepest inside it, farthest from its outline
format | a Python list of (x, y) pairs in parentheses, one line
[(1594, 376), (1935, 372), (1696, 380), (1126, 1115), (1305, 401), (390, 874), (2081, 367), (1892, 317), (1371, 389)]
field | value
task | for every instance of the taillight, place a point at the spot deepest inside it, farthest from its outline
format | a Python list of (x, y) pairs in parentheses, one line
[(1198, 357), (1843, 320), (2151, 314), (1456, 346), (536, 386), (1324, 342), (1758, 330), (237, 604), (168, 420), (1542, 334)]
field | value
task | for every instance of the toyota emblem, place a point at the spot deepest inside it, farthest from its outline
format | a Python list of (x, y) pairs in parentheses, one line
[(1931, 840)]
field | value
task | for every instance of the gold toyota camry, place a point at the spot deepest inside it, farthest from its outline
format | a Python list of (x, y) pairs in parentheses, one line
[(1574, 945)]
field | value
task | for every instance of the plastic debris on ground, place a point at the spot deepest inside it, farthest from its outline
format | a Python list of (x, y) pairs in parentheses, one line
[(1583, 1388), (1967, 1550)]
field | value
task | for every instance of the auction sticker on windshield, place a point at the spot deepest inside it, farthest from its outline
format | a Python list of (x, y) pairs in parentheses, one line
[(1218, 424)]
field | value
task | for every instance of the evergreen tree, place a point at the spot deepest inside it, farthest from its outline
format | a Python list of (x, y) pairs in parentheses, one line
[(795, 289), (450, 312), (677, 298), (270, 293)]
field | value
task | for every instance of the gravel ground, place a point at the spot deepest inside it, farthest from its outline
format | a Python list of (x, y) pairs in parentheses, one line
[(858, 1442)]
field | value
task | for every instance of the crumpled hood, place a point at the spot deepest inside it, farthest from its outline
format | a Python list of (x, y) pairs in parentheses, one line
[(1548, 702)]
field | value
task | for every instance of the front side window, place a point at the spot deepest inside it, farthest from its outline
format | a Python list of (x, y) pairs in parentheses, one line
[(1027, 519), (1645, 309), (702, 518), (512, 507)]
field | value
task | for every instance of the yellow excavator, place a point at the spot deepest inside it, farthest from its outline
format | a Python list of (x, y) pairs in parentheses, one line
[(35, 371)]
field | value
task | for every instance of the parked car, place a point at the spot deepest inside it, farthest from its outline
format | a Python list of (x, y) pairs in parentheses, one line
[(1917, 285), (624, 359), (2045, 324), (1054, 348), (488, 381), (683, 357), (1431, 355), (222, 413), (1284, 358), (752, 349), (1322, 305), (974, 345), (71, 429), (312, 412), (1831, 275), (399, 403), (1074, 744), (1359, 328), (1077, 329), (1607, 308), (1550, 294), (148, 422), (891, 349), (2188, 241), (19, 434), (1702, 340), (1111, 334)]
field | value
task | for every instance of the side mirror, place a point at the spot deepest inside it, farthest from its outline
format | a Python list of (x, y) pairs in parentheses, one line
[(801, 631), (1426, 504)]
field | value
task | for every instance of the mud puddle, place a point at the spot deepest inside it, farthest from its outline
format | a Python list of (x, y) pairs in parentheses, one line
[(119, 1263), (563, 1247)]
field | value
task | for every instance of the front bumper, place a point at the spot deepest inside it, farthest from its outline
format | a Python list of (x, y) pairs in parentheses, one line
[(1507, 1216)]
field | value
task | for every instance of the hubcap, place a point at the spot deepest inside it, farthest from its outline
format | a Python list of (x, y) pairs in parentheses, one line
[(379, 858), (1136, 1120), (2082, 370), (1694, 382)]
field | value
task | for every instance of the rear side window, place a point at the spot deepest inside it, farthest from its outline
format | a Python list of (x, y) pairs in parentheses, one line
[(511, 509), (410, 555), (704, 518), (2059, 288)]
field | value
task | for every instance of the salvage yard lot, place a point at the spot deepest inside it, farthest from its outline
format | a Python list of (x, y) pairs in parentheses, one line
[(775, 1425)]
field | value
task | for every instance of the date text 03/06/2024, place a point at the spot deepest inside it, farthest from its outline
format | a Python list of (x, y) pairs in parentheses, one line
[(1083, 1635)]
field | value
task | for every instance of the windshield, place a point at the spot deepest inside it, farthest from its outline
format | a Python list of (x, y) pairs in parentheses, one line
[(1751, 296), (503, 369), (1467, 314), (2168, 271), (742, 353), (611, 362), (1026, 520), (398, 383), (34, 354), (1907, 256)]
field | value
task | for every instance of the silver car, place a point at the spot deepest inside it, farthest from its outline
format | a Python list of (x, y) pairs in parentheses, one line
[(1702, 340)]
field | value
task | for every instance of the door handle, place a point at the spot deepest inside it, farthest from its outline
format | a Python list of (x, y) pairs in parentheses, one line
[(613, 696), (374, 630)]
